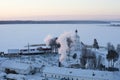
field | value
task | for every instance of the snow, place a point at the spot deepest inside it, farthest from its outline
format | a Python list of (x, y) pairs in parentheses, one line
[(35, 77), (102, 53), (21, 68), (80, 73), (28, 63), (117, 64), (2, 74), (48, 60), (15, 65), (16, 76)]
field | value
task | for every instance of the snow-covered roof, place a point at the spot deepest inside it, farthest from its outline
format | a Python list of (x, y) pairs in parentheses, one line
[(16, 76), (37, 65), (14, 65), (2, 74), (78, 72), (35, 77), (100, 51)]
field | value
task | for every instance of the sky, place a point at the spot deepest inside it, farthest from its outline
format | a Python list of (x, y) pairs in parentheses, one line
[(59, 9)]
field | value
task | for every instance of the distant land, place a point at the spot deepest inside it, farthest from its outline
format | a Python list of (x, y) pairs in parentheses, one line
[(55, 22)]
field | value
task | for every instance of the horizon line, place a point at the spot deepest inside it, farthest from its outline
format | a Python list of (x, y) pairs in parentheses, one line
[(55, 22)]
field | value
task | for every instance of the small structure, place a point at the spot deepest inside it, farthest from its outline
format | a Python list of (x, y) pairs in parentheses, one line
[(2, 75), (1, 53), (13, 51), (14, 67)]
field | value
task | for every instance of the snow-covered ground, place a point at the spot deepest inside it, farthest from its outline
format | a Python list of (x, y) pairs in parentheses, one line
[(25, 64), (51, 66)]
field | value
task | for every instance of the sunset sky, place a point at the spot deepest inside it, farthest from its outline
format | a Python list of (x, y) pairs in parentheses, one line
[(59, 9)]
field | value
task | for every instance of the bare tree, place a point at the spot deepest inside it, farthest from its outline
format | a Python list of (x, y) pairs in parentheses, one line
[(112, 57), (54, 45)]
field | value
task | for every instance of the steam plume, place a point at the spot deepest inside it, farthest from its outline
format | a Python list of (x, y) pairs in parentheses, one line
[(62, 39), (48, 39)]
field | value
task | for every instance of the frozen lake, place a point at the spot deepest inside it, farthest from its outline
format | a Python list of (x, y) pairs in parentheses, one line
[(13, 36)]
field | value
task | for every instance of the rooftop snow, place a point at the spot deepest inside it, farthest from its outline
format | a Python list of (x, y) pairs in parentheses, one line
[(15, 65)]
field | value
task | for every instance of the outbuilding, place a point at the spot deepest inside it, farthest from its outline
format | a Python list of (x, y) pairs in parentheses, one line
[(10, 66)]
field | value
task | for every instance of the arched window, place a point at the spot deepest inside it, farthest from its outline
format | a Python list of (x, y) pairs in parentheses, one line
[(72, 78), (51, 75)]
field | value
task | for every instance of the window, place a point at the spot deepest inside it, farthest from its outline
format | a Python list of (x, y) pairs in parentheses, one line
[(58, 76), (51, 75), (45, 75), (68, 78), (32, 49)]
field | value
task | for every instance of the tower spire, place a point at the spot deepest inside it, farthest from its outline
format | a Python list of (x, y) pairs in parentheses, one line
[(76, 31)]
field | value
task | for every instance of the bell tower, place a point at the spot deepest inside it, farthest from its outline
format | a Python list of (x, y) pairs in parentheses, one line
[(75, 50), (76, 43)]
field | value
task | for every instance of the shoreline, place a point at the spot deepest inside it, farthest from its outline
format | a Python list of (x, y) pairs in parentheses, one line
[(56, 22)]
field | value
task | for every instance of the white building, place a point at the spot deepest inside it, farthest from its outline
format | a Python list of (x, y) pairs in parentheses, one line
[(117, 64), (101, 56), (13, 51), (76, 46), (75, 49), (77, 74)]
